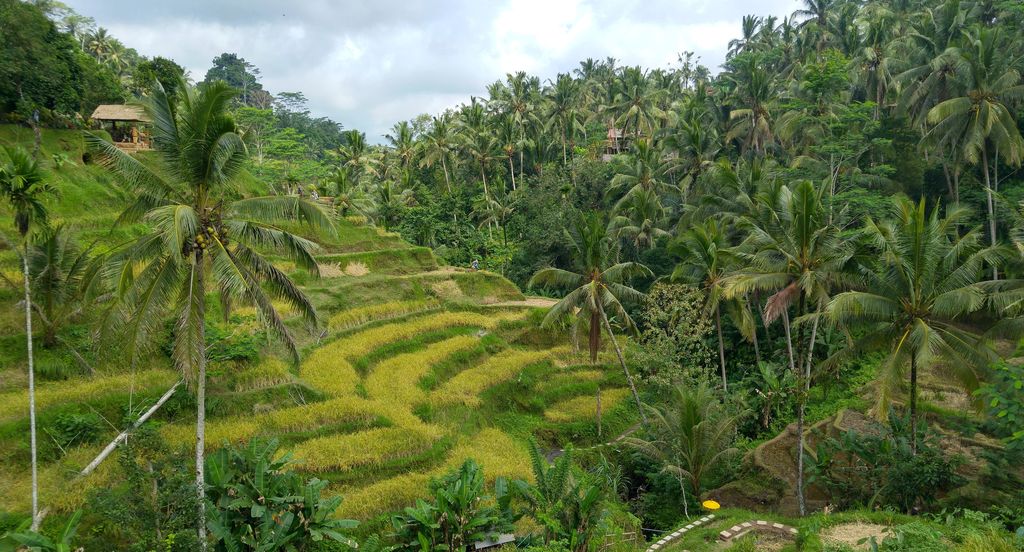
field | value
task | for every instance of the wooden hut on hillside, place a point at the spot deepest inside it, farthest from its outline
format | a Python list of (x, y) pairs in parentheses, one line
[(128, 125)]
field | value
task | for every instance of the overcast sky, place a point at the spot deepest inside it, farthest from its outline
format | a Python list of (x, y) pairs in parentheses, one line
[(370, 64)]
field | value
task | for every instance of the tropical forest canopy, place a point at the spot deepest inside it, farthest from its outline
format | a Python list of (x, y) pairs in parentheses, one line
[(790, 286)]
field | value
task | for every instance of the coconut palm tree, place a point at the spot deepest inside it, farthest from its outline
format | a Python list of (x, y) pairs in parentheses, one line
[(637, 102), (65, 281), (348, 196), (979, 123), (644, 172), (24, 189), (201, 238), (640, 221), (402, 141), (752, 118), (797, 256), (357, 156), (688, 435), (704, 260), (597, 286), (438, 144), (926, 281)]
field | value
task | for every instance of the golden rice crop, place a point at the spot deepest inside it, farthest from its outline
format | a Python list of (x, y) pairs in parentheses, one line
[(14, 404), (58, 485), (465, 387), (297, 418), (268, 373), (495, 451), (394, 380), (365, 448), (329, 369), (370, 313), (584, 407), (384, 496)]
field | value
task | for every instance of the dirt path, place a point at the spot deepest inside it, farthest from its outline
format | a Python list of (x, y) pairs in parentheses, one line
[(536, 302)]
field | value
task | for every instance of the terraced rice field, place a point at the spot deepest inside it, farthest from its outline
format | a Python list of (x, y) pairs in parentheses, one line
[(411, 374)]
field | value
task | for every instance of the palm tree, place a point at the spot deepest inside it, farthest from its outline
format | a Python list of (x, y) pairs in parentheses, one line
[(401, 139), (637, 103), (752, 120), (564, 111), (24, 188), (439, 144), (795, 254), (64, 283), (644, 172), (704, 259), (481, 145), (925, 283), (980, 123), (688, 436), (640, 220), (357, 156), (348, 197), (597, 286), (200, 238)]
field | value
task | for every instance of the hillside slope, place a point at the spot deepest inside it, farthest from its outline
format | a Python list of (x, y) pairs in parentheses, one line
[(416, 367)]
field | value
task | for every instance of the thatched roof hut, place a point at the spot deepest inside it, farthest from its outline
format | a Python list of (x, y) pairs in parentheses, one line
[(111, 112)]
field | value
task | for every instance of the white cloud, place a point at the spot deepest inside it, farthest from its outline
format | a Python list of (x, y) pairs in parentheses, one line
[(368, 64)]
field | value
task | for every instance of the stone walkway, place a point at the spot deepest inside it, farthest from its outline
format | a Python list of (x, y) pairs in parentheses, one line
[(664, 541)]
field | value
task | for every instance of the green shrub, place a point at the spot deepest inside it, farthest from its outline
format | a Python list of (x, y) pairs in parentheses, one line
[(912, 537), (880, 468), (71, 429)]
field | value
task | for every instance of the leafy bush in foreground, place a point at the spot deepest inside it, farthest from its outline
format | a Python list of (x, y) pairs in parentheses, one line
[(257, 504)]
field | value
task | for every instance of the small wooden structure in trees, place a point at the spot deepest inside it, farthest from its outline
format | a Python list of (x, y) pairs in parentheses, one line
[(128, 125)]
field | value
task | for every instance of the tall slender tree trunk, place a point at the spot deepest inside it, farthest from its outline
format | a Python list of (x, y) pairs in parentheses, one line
[(721, 347), (913, 405), (201, 403), (31, 391), (483, 176), (800, 414), (512, 171), (991, 206), (625, 369)]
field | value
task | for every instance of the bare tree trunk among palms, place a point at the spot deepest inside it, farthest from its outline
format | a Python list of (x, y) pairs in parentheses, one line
[(800, 414), (913, 405), (483, 176), (31, 392), (201, 402), (629, 378), (512, 171), (121, 437), (721, 347), (991, 206)]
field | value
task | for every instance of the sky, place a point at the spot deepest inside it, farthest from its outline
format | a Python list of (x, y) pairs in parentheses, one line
[(369, 64)]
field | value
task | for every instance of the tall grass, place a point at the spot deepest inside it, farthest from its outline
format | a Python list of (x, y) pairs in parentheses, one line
[(466, 386), (358, 316), (584, 407), (14, 404), (307, 417), (330, 370), (365, 448), (495, 451), (395, 380)]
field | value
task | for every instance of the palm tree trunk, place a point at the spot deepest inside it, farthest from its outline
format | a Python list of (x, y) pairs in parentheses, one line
[(483, 176), (913, 405), (721, 347), (991, 206), (686, 507), (800, 414), (31, 392), (618, 352), (447, 181), (201, 404), (512, 171)]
